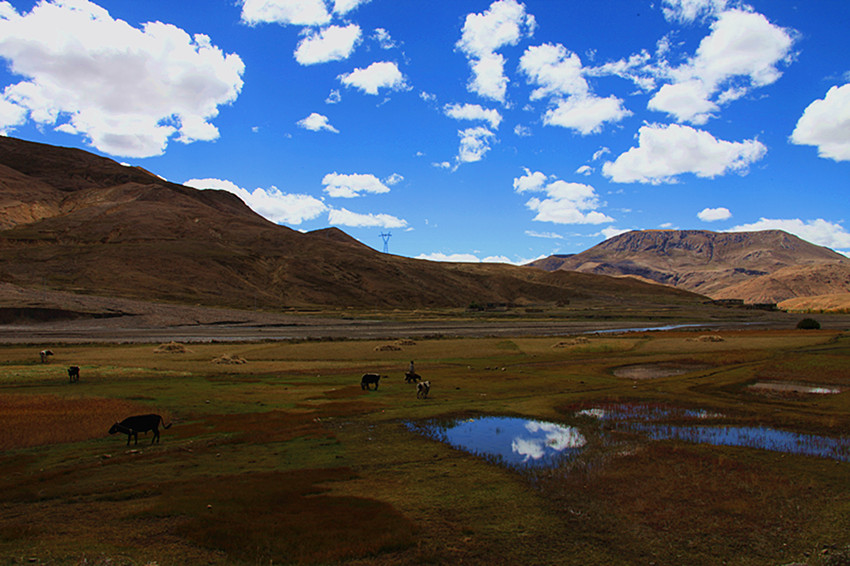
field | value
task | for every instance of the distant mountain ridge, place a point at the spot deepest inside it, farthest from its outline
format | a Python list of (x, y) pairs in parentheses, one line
[(768, 266), (74, 221)]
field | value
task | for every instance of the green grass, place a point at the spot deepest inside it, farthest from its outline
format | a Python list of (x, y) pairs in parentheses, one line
[(285, 459)]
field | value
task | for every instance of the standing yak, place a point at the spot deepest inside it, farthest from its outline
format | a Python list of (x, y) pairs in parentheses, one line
[(132, 426)]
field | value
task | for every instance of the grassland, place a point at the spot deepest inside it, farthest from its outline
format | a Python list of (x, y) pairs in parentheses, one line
[(285, 459)]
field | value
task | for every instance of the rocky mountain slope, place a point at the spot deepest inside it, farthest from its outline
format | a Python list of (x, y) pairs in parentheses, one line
[(74, 221), (759, 267)]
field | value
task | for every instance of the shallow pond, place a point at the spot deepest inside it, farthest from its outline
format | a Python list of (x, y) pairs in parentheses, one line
[(789, 387), (512, 441), (526, 443), (656, 370)]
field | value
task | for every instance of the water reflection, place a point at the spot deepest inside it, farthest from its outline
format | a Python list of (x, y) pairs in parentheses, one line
[(648, 420), (532, 444), (513, 441)]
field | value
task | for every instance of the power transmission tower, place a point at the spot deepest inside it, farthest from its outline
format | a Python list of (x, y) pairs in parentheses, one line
[(386, 238)]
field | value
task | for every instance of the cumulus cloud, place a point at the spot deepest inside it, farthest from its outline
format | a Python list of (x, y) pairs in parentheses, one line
[(378, 75), (474, 143), (559, 76), (316, 122), (825, 124), (354, 185), (344, 217), (272, 204), (285, 12), (663, 152), (334, 43), (474, 112), (742, 52), (586, 115), (505, 22), (128, 90), (821, 232), (714, 214), (565, 203)]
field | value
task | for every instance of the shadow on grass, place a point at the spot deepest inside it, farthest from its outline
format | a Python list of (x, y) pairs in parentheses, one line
[(283, 517)]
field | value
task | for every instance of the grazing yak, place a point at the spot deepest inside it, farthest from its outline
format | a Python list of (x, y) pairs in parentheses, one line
[(368, 379), (423, 388), (45, 356), (132, 426), (412, 377), (73, 374)]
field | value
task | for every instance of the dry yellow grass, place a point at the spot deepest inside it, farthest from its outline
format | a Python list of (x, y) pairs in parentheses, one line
[(34, 420)]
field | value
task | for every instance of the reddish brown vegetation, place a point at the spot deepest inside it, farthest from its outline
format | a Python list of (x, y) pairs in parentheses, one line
[(33, 420), (283, 517)]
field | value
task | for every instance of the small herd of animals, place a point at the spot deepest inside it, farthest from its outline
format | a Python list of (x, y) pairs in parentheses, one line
[(423, 388), (132, 426)]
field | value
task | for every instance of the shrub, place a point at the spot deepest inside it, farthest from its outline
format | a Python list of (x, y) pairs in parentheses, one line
[(808, 324)]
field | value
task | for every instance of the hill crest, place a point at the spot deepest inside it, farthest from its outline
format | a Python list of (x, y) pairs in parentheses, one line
[(717, 264)]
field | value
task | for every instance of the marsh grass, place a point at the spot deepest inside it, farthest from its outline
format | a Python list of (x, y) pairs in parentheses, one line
[(299, 465), (283, 517), (34, 420)]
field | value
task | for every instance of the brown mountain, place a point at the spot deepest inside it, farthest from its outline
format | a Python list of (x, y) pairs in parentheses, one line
[(759, 267), (73, 221)]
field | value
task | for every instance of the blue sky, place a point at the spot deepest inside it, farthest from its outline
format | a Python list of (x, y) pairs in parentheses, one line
[(469, 130)]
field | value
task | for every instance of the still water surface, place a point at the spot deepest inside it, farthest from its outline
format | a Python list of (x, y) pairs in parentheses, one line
[(527, 443)]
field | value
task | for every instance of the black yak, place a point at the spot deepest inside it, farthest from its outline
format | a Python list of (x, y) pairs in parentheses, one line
[(132, 426)]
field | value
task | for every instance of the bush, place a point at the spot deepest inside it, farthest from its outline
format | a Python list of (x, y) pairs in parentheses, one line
[(808, 324)]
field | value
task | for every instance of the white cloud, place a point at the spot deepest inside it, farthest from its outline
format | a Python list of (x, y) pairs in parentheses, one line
[(663, 152), (342, 7), (474, 112), (584, 170), (600, 152), (560, 78), (350, 186), (530, 182), (466, 258), (687, 102), (474, 143), (334, 43), (378, 75), (586, 115), (272, 204), (685, 11), (383, 38), (394, 179), (565, 203), (128, 90), (344, 217), (522, 131), (546, 235), (742, 52), (821, 232), (714, 214), (557, 71), (317, 122), (611, 231), (333, 97), (285, 12), (505, 22), (825, 124), (11, 116)]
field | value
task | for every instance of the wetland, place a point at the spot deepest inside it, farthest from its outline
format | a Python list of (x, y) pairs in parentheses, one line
[(528, 450)]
